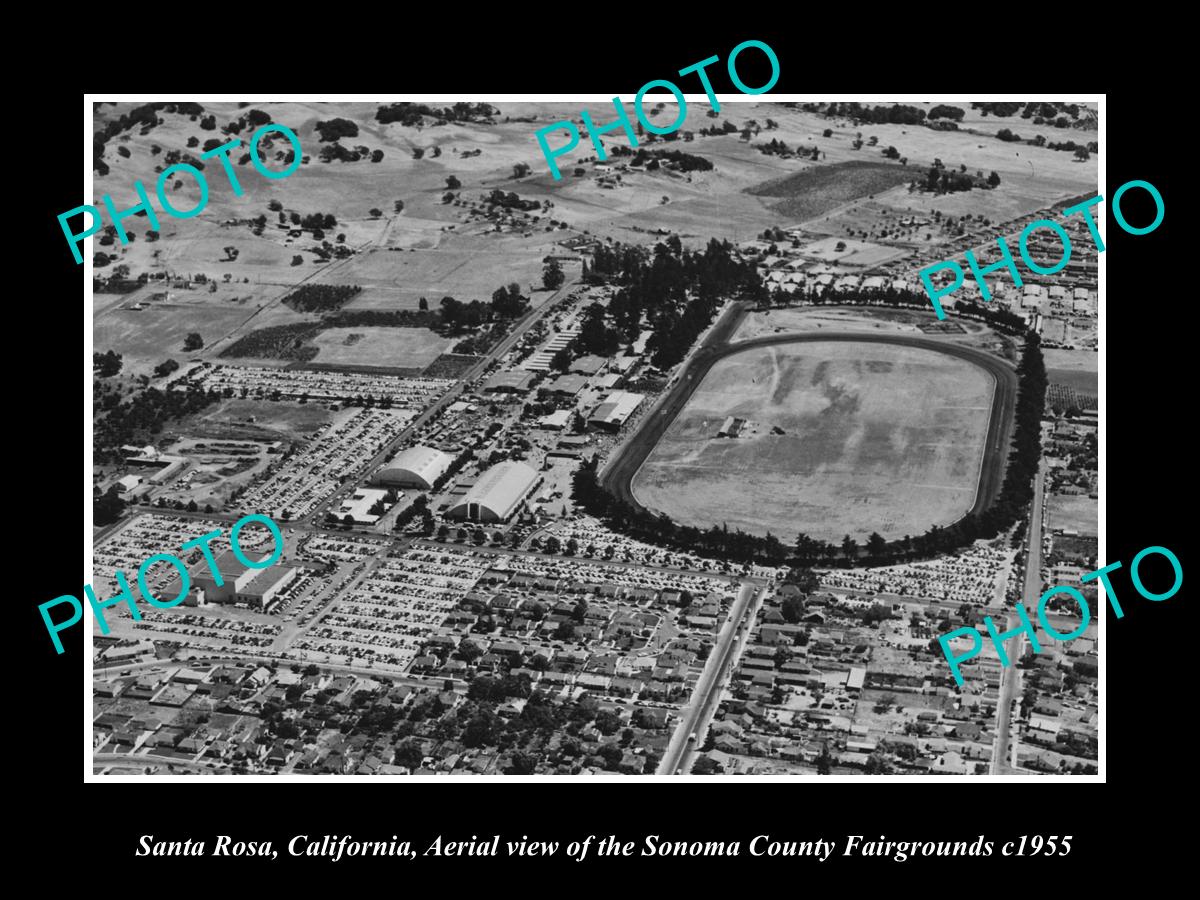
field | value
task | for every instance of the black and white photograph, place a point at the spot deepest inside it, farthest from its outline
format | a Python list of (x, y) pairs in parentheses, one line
[(740, 434)]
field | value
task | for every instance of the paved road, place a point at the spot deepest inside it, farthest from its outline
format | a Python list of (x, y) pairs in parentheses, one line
[(136, 760), (623, 466), (680, 751), (291, 630), (1003, 752)]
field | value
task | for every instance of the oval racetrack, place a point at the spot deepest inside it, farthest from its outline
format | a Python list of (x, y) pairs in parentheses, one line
[(618, 475)]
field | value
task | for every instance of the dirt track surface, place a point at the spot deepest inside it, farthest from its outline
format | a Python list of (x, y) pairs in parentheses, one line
[(621, 469)]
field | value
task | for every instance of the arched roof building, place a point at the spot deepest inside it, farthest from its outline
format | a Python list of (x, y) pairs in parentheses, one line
[(418, 466), (497, 493)]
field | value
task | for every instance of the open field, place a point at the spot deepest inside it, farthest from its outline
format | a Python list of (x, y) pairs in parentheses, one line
[(853, 253), (807, 320), (412, 348), (1074, 368), (1076, 511), (471, 271), (146, 337), (819, 189), (258, 419)]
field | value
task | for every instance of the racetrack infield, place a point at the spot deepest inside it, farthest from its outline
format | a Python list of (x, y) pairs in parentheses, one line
[(883, 433)]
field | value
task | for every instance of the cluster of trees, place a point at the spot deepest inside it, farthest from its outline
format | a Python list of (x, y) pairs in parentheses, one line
[(108, 507), (552, 275), (177, 156), (381, 318), (509, 201), (477, 722), (947, 112), (941, 180), (463, 458), (899, 114), (1036, 109), (594, 335), (776, 147), (484, 687), (478, 344), (276, 342), (165, 368), (507, 303), (143, 415), (997, 109), (335, 129), (193, 341), (725, 127), (320, 297), (671, 159), (1081, 151), (336, 152), (414, 113), (459, 316), (1006, 134), (419, 507), (107, 364), (312, 222), (249, 120), (145, 117), (678, 291)]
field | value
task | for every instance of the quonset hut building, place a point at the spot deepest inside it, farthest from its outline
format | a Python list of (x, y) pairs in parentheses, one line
[(418, 467), (497, 493)]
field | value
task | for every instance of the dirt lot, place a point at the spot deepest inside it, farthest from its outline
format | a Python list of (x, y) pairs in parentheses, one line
[(258, 419), (807, 320), (875, 438), (413, 348)]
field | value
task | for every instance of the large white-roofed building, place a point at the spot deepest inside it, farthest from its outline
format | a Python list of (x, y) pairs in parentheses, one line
[(612, 413), (418, 466), (497, 493)]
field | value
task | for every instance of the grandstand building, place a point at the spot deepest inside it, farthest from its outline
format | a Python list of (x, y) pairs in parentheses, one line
[(615, 410), (497, 493), (418, 467)]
